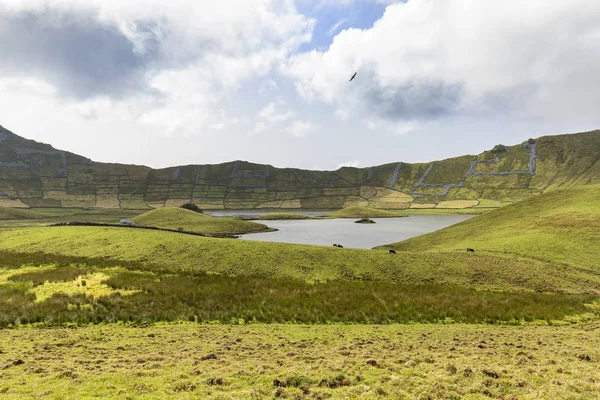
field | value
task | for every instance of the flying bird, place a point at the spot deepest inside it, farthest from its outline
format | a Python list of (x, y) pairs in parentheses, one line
[(353, 76)]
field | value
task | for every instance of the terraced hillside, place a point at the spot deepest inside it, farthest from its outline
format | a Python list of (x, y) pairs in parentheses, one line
[(33, 174)]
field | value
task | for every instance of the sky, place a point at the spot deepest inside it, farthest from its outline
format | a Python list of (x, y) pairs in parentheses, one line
[(201, 82)]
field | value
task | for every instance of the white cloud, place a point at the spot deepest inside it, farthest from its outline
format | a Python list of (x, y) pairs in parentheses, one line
[(353, 163), (276, 117), (300, 128), (206, 51), (274, 113), (217, 81), (429, 58)]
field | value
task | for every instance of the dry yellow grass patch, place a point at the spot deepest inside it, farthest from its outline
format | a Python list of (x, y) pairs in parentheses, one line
[(385, 194), (291, 204), (93, 287), (355, 201), (386, 205), (423, 205), (457, 204)]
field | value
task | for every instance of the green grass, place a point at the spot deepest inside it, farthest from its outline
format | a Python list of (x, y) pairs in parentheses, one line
[(301, 361), (158, 251), (7, 213), (365, 212), (559, 226), (190, 221), (156, 297), (284, 216)]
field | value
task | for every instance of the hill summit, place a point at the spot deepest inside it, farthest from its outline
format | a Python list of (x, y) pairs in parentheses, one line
[(34, 174)]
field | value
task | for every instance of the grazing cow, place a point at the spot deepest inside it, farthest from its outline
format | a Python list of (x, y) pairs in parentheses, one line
[(335, 245), (469, 250), (340, 246), (392, 251)]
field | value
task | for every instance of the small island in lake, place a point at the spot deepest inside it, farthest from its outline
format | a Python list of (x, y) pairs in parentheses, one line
[(364, 221)]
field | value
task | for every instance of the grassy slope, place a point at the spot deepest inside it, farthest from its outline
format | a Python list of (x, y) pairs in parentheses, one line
[(409, 362), (364, 212), (175, 252), (175, 218), (561, 226), (7, 213)]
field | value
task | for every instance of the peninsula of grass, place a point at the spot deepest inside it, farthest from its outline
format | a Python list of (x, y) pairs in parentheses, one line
[(365, 212), (284, 216), (560, 226), (181, 219)]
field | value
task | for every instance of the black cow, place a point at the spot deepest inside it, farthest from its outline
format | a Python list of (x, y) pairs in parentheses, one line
[(469, 250), (392, 251)]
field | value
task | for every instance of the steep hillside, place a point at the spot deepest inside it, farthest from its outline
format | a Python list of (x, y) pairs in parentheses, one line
[(561, 226), (37, 175)]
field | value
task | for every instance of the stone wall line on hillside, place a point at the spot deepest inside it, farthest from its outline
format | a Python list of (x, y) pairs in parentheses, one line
[(369, 175), (532, 158), (234, 171), (530, 170), (176, 173), (197, 176), (394, 179)]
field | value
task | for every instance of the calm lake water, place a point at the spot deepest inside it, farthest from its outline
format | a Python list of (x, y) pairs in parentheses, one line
[(349, 234)]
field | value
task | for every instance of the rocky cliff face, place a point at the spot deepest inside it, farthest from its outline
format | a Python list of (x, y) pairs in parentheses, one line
[(34, 174)]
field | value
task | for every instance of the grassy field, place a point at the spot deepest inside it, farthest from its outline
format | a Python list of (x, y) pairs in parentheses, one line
[(76, 290), (365, 212), (157, 251), (560, 226), (301, 362), (7, 213), (48, 216), (105, 312), (190, 221)]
